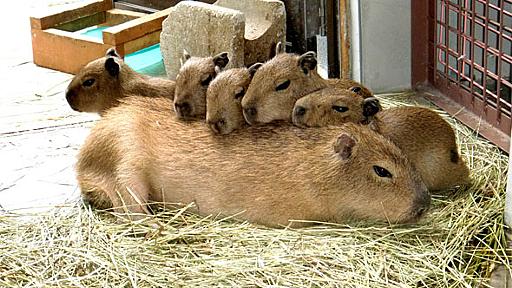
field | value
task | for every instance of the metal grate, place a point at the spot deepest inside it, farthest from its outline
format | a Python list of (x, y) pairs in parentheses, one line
[(473, 56)]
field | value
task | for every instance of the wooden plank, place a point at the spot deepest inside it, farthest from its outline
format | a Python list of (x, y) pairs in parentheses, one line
[(65, 51), (119, 16), (344, 28), (66, 13), (141, 43), (82, 23), (135, 28)]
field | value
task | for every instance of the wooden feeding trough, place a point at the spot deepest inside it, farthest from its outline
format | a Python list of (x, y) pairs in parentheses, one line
[(69, 37)]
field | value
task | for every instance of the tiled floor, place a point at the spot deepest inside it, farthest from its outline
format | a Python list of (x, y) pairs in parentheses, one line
[(39, 133)]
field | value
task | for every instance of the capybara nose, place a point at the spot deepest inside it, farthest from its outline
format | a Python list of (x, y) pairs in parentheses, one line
[(371, 106), (70, 94), (421, 211), (217, 126), (251, 111), (183, 109), (422, 204), (299, 111), (250, 114)]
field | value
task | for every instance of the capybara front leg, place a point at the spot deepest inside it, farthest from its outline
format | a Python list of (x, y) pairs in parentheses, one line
[(131, 198)]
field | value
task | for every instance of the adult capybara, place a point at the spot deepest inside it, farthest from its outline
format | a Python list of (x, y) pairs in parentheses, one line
[(267, 174), (100, 84)]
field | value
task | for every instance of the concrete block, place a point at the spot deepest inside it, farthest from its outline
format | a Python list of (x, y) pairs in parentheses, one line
[(265, 25), (203, 30)]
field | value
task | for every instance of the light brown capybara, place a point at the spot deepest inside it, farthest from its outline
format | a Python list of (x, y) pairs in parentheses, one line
[(422, 134), (333, 105), (224, 99), (192, 82), (100, 84), (428, 141), (281, 81), (267, 174)]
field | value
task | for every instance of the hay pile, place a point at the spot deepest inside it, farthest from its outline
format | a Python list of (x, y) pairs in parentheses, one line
[(457, 245)]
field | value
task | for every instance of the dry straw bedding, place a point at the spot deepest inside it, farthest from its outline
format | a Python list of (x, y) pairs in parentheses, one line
[(458, 244)]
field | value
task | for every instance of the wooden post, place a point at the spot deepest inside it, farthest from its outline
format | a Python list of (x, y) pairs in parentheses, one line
[(344, 29)]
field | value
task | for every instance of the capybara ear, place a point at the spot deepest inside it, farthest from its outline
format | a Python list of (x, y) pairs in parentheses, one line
[(307, 61), (184, 57), (280, 48), (111, 52), (112, 66), (371, 106), (254, 67), (344, 146), (221, 59)]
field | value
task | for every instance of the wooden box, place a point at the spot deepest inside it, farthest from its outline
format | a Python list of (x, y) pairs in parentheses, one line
[(57, 43)]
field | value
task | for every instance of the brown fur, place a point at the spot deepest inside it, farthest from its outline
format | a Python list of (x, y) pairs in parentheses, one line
[(318, 108), (351, 85), (428, 141), (108, 89), (271, 174), (192, 82), (265, 102), (269, 104), (424, 136), (224, 98)]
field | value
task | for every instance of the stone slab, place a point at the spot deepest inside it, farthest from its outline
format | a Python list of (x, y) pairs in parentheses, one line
[(203, 30), (265, 25)]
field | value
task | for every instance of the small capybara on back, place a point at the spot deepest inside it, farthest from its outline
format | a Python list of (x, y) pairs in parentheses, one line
[(283, 80), (100, 84), (264, 174), (192, 82), (424, 136), (224, 99), (333, 105)]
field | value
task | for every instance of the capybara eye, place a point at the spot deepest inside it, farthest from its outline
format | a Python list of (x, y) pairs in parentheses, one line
[(207, 81), (355, 89), (240, 94), (339, 108), (283, 85), (88, 82), (382, 172)]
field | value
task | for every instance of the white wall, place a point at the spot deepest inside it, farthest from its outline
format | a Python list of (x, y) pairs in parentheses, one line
[(384, 44)]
